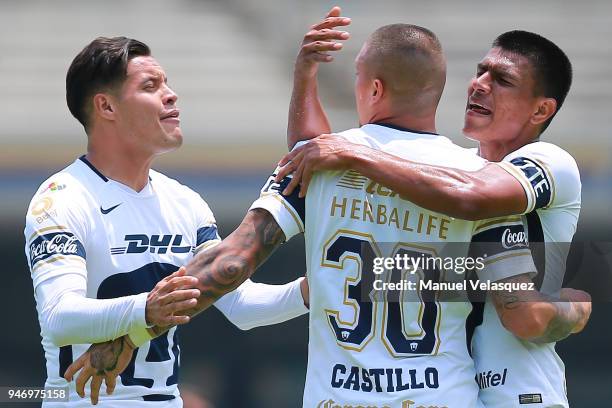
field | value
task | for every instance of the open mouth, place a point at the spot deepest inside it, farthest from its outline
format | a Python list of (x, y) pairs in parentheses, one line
[(474, 107)]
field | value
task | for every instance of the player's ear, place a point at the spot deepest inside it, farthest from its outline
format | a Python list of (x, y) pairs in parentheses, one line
[(545, 108), (104, 106), (377, 90)]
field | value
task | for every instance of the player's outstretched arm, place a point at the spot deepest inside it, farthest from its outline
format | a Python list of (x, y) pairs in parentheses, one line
[(307, 118), (224, 267), (255, 304), (470, 195), (69, 317), (218, 270), (105, 361), (539, 318)]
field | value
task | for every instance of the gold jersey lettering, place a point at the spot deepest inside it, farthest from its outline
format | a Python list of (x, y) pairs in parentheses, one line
[(355, 208), (394, 218), (381, 214), (367, 211), (336, 205), (390, 216)]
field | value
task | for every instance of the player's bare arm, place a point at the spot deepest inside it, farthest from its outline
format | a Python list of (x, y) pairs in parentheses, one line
[(307, 119), (539, 318), (224, 267), (486, 193), (218, 271)]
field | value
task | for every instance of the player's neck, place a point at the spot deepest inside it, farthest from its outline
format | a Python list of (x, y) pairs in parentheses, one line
[(505, 143), (495, 151), (128, 169), (419, 124)]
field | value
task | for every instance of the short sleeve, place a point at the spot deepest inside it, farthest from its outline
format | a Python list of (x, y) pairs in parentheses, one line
[(288, 211), (207, 234), (55, 232), (503, 247), (549, 175)]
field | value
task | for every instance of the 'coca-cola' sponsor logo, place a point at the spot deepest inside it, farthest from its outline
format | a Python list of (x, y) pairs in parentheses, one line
[(57, 243), (514, 239)]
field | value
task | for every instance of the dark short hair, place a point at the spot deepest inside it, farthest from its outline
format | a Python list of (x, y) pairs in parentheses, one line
[(409, 58), (100, 66), (552, 69), (408, 38)]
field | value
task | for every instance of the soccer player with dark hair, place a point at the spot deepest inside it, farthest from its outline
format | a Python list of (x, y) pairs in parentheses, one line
[(365, 348), (105, 235), (518, 88), (369, 351), (366, 351)]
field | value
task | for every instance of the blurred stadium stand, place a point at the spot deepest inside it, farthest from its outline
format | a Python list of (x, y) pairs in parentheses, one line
[(231, 64)]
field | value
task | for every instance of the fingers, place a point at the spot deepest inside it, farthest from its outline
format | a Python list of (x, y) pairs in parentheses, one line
[(322, 38), (82, 379), (321, 47), (306, 176), (168, 297), (96, 383), (180, 272), (289, 157), (111, 382), (326, 34), (284, 171), (177, 320), (295, 180), (331, 22), (180, 295), (173, 308), (76, 366), (334, 12), (175, 283), (289, 168)]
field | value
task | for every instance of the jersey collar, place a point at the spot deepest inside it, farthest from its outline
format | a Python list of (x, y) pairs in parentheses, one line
[(403, 129), (91, 166)]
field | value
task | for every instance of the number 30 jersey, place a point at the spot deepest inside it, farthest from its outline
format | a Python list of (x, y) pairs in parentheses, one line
[(122, 243), (364, 348)]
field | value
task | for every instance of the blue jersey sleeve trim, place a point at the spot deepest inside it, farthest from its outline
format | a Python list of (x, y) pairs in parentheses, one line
[(498, 240), (538, 178), (205, 234), (297, 203), (54, 244)]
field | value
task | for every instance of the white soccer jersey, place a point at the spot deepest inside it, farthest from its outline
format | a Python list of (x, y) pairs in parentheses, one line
[(512, 372), (122, 242), (378, 353)]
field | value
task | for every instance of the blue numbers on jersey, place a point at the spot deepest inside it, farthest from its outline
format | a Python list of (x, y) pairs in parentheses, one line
[(426, 341), (354, 334), (358, 249)]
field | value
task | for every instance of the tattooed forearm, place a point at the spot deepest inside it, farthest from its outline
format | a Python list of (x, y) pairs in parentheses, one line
[(505, 300), (224, 267), (532, 315), (219, 270), (560, 326), (104, 356)]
